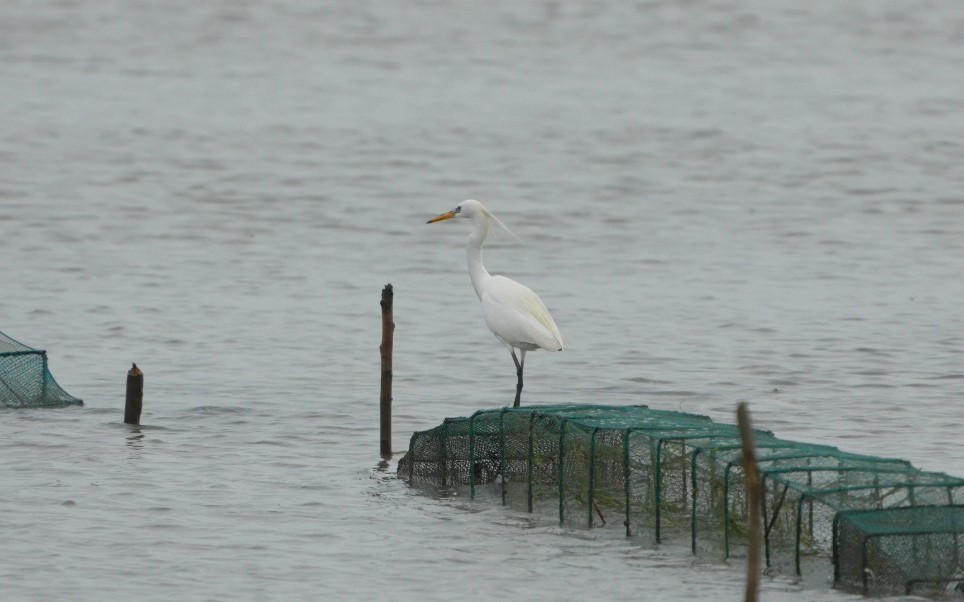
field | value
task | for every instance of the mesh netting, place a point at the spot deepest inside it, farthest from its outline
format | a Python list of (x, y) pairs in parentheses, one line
[(877, 524), (25, 381), (918, 545)]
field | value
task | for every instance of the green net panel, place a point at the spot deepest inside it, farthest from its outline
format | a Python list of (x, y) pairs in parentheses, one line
[(919, 546), (25, 381), (661, 474)]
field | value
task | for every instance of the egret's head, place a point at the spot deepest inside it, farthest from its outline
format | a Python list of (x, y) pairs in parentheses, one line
[(474, 210)]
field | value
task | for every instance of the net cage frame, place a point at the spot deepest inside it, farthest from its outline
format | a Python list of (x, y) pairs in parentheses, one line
[(919, 524), (669, 470), (26, 380)]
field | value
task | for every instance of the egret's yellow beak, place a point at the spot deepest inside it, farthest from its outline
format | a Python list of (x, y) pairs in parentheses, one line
[(444, 216)]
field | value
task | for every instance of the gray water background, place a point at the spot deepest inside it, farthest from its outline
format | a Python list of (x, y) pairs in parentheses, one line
[(718, 201)]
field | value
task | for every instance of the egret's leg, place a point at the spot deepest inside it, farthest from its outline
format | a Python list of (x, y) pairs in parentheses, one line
[(518, 370), (522, 365)]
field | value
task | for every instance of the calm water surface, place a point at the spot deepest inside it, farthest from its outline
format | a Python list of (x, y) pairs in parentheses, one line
[(719, 201)]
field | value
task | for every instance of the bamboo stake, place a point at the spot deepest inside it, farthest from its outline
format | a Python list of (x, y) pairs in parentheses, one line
[(388, 331), (134, 401), (753, 495)]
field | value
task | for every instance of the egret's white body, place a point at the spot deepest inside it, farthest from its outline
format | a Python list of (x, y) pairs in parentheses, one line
[(514, 314)]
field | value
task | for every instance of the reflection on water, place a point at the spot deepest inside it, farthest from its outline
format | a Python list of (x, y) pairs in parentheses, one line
[(135, 437)]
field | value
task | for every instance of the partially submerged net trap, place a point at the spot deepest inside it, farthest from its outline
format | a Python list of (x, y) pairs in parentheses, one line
[(877, 525), (25, 381)]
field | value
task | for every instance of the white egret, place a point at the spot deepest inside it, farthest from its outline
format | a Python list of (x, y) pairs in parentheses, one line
[(514, 314)]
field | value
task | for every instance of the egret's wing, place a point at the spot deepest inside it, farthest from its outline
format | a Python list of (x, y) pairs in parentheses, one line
[(518, 317)]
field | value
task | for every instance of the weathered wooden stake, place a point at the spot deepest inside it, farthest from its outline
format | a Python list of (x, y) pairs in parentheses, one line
[(388, 331), (753, 495), (135, 396)]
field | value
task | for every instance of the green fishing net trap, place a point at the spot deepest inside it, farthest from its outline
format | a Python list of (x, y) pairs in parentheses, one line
[(874, 525), (25, 380)]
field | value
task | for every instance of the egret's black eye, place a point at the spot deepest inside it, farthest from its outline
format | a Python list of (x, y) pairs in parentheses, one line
[(458, 209)]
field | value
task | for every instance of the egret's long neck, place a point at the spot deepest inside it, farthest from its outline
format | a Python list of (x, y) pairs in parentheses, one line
[(480, 277)]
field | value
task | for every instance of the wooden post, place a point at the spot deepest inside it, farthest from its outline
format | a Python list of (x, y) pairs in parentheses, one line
[(135, 396), (388, 331), (753, 493)]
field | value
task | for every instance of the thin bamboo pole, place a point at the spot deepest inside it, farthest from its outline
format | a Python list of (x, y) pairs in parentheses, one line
[(388, 333), (754, 498)]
